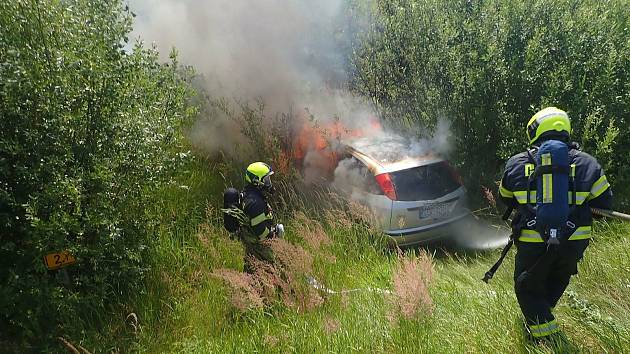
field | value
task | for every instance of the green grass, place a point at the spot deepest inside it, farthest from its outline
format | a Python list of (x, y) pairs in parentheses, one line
[(185, 309)]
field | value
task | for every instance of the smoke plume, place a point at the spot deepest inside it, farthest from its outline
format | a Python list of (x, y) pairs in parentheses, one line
[(285, 53), (289, 55)]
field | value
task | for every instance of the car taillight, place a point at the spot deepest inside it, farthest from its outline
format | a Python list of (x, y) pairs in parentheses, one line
[(385, 182)]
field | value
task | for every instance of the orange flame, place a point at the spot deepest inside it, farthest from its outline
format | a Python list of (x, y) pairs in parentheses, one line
[(326, 140)]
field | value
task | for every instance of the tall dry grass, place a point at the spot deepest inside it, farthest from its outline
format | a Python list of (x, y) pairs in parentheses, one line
[(311, 232), (282, 281), (245, 292), (411, 280)]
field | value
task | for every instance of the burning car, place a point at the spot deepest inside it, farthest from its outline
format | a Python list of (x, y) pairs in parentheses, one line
[(415, 196)]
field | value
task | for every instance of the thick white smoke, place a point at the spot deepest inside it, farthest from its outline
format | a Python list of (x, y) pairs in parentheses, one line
[(351, 177), (287, 54), (269, 49), (388, 147)]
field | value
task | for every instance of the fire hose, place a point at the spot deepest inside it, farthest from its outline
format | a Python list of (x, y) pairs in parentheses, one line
[(321, 287), (602, 212), (611, 214)]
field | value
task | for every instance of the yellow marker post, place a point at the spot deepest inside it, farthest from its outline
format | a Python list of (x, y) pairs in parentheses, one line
[(58, 260)]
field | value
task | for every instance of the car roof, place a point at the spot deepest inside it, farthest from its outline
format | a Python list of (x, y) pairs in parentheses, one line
[(384, 154)]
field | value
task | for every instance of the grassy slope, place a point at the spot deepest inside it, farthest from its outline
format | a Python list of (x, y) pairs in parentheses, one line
[(189, 310)]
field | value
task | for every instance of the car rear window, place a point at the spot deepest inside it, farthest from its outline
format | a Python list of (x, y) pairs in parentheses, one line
[(425, 182)]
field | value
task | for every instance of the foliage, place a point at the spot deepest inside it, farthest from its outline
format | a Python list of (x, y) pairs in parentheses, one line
[(89, 128), (488, 66), (189, 310), (196, 314), (91, 133)]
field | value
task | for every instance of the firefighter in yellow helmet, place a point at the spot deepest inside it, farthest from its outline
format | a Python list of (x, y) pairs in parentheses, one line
[(543, 268), (259, 218)]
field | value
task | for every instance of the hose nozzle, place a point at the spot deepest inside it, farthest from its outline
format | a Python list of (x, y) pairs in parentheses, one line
[(279, 230)]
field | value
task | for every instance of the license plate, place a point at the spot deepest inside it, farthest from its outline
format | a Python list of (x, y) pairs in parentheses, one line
[(434, 211), (57, 260)]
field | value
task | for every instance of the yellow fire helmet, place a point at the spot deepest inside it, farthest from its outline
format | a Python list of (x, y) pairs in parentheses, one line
[(258, 174), (550, 119)]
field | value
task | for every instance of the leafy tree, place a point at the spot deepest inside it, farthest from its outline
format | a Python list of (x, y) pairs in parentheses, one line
[(89, 128), (488, 66)]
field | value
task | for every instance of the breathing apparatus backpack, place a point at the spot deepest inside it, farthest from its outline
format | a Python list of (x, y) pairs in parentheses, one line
[(551, 174), (233, 214)]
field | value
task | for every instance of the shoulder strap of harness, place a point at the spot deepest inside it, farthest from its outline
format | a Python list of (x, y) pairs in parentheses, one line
[(528, 203)]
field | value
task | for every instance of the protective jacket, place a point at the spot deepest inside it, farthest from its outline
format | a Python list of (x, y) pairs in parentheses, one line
[(259, 214), (259, 227), (588, 187)]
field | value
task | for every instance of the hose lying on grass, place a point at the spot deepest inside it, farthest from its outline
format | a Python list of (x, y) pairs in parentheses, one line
[(321, 287)]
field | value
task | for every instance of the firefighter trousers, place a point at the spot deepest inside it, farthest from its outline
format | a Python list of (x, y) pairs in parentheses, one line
[(540, 278), (256, 251)]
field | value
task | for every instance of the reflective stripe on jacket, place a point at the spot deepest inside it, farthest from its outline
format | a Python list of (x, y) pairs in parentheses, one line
[(259, 213)]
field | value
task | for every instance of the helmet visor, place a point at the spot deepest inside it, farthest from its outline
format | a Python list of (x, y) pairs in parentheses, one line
[(267, 181), (267, 186)]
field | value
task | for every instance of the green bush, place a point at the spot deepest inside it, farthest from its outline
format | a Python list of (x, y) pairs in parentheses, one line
[(488, 66), (89, 128)]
